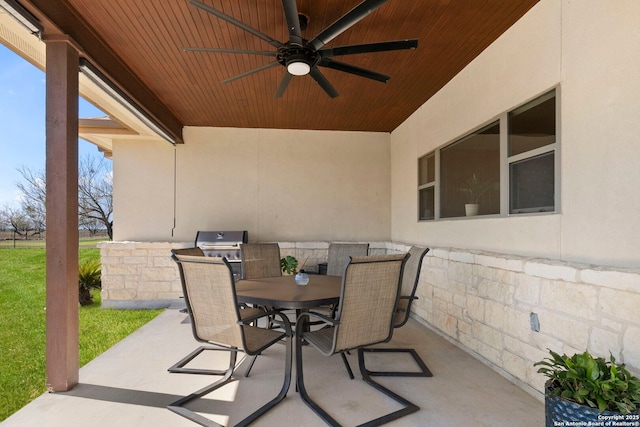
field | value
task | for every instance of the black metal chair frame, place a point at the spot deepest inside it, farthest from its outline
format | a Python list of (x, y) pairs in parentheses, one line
[(408, 407), (180, 366)]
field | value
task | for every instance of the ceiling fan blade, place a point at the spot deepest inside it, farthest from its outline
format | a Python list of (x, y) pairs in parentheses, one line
[(248, 73), (345, 22), (352, 69), (323, 82), (293, 21), (368, 48), (216, 50), (283, 84), (235, 22)]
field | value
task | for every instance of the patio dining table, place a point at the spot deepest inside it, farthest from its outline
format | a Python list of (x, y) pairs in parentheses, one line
[(283, 292)]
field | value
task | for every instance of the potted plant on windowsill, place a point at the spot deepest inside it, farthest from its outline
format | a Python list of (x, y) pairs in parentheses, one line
[(583, 389), (475, 189)]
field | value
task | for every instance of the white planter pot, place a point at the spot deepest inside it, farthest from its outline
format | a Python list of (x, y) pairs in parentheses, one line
[(471, 209)]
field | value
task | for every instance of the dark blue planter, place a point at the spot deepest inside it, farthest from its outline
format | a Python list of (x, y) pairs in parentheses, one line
[(562, 412)]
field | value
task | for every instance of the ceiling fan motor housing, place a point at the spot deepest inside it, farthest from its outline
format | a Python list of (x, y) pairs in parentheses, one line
[(292, 53)]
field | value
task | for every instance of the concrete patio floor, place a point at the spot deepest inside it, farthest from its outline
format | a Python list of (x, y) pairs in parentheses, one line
[(129, 386)]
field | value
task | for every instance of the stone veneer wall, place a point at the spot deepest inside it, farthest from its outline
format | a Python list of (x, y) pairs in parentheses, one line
[(142, 274), (482, 302)]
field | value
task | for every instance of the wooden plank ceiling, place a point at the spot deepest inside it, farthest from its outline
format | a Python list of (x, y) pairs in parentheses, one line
[(148, 36)]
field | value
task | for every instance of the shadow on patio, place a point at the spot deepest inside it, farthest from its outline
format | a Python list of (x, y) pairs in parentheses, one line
[(129, 386)]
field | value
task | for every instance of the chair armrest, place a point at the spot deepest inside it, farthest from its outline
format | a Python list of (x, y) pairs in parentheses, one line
[(323, 319), (285, 319)]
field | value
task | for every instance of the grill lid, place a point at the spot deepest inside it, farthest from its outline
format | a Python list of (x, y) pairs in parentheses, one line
[(215, 239)]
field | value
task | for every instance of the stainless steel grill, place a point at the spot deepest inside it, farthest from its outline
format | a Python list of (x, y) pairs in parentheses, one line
[(221, 243)]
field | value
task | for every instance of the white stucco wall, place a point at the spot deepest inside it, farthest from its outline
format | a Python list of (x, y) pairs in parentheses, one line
[(280, 185), (584, 49)]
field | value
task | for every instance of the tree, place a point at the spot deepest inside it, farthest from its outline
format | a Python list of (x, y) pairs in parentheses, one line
[(34, 196), (95, 196), (17, 221)]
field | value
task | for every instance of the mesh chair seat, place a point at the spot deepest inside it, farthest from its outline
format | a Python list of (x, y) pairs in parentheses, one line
[(257, 339), (250, 311), (322, 339)]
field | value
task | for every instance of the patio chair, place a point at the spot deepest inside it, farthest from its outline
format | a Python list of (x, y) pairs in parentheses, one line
[(180, 366), (337, 258), (209, 291), (339, 254), (410, 279), (369, 295), (260, 260)]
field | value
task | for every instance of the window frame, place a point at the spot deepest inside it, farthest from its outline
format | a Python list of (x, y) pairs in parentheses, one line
[(430, 184), (505, 164), (531, 154)]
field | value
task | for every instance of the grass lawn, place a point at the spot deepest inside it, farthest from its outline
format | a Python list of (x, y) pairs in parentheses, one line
[(22, 326)]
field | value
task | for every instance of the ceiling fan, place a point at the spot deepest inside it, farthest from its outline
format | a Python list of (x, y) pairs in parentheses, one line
[(300, 56)]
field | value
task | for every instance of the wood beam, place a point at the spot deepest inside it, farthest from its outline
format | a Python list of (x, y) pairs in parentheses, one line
[(62, 214), (60, 16)]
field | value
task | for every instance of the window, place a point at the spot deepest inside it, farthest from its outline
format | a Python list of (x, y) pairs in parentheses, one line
[(426, 187), (531, 147), (520, 148), (470, 174), (532, 183)]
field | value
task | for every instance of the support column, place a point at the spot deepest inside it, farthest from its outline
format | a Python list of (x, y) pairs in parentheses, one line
[(62, 213)]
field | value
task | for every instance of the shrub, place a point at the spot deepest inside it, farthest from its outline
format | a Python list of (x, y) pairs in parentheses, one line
[(89, 277), (598, 383)]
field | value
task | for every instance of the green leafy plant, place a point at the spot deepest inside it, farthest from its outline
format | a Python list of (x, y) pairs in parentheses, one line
[(89, 277), (476, 188), (596, 382), (289, 264)]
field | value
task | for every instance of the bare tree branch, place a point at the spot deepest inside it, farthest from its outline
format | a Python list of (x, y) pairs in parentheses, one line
[(95, 196)]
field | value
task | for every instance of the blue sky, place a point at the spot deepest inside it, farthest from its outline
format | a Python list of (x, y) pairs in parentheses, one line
[(22, 122)]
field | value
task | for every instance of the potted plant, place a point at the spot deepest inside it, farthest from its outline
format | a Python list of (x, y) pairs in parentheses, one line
[(585, 389), (289, 265), (89, 277), (475, 189)]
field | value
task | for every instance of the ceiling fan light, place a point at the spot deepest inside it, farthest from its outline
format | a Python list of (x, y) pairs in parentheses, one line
[(298, 68)]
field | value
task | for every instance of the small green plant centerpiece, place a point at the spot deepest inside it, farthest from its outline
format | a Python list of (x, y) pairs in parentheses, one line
[(587, 389), (474, 190), (289, 265), (89, 277)]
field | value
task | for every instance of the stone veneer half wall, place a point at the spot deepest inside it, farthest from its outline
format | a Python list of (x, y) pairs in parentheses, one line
[(142, 274), (482, 302)]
